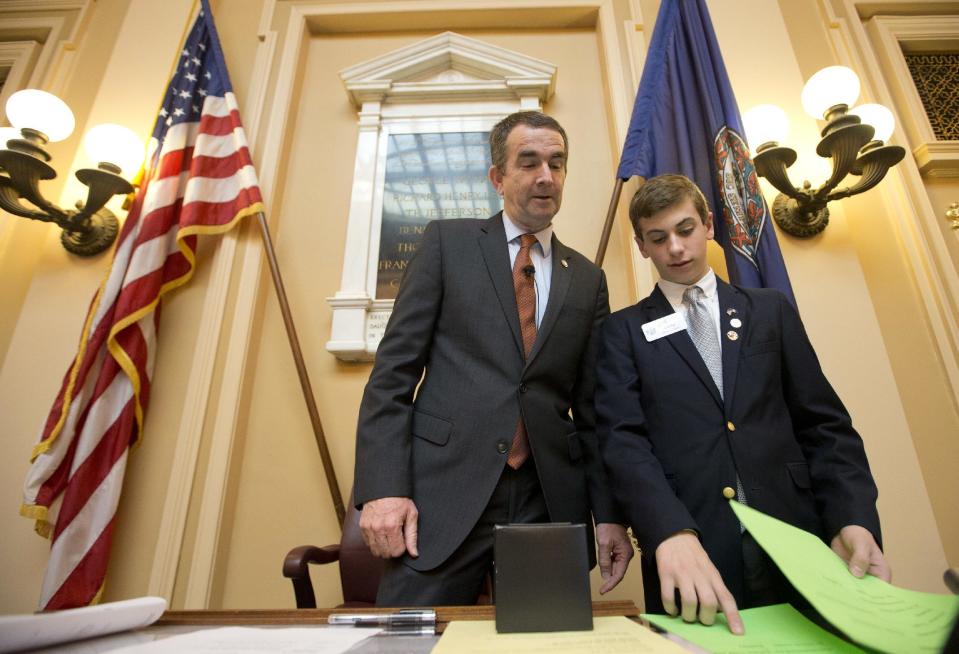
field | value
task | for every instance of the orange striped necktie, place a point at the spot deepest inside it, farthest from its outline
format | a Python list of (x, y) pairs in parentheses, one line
[(525, 290)]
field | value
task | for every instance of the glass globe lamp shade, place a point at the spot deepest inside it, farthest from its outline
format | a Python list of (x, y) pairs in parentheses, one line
[(830, 86), (765, 123), (41, 111), (879, 117), (114, 144)]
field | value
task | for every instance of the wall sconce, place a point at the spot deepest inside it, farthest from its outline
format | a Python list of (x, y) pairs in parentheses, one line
[(42, 117), (854, 140)]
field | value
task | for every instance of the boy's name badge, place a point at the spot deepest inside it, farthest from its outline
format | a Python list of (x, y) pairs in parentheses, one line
[(664, 326)]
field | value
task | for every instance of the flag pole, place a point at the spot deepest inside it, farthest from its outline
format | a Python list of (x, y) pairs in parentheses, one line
[(608, 225), (301, 371)]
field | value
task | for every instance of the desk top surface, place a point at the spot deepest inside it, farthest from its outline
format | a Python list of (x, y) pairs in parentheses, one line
[(174, 623), (444, 615)]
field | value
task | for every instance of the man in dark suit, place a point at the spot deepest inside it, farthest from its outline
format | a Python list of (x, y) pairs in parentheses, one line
[(708, 392), (499, 320)]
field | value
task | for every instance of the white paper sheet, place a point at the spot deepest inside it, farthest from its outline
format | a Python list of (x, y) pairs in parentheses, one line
[(32, 631), (256, 640)]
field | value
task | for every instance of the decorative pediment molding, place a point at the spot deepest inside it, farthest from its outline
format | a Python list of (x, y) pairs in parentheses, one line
[(445, 84), (445, 66)]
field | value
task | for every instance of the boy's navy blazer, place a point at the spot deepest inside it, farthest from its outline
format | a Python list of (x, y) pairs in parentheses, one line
[(672, 444)]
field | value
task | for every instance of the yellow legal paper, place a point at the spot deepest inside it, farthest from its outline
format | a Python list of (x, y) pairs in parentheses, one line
[(868, 610), (611, 635)]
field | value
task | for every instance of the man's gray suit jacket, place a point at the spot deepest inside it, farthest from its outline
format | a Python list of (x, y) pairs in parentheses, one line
[(443, 441)]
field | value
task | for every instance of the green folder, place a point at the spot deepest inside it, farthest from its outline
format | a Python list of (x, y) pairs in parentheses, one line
[(868, 611), (769, 630)]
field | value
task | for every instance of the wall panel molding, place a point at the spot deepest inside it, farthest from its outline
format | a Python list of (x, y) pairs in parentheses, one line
[(928, 244)]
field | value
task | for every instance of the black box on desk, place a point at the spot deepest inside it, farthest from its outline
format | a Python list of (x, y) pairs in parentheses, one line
[(542, 578)]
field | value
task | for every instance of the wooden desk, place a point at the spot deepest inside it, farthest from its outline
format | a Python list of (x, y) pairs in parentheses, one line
[(174, 623), (444, 615)]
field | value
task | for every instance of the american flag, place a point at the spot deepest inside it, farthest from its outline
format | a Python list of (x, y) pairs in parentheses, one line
[(198, 179)]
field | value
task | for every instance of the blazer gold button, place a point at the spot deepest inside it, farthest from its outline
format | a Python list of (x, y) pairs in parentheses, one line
[(731, 335), (730, 426), (729, 493), (735, 322), (502, 447), (565, 263)]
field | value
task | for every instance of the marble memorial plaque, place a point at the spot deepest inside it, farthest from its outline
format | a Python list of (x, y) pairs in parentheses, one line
[(429, 177)]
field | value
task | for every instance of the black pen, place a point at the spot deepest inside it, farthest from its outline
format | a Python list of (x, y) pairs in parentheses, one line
[(404, 618)]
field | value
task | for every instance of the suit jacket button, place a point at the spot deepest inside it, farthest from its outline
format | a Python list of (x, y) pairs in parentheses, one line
[(502, 447), (729, 493), (730, 426), (522, 388)]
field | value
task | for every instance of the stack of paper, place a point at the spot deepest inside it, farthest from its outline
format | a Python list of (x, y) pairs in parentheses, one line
[(18, 632), (611, 635)]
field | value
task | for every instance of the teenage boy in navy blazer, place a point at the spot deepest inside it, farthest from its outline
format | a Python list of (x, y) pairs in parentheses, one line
[(760, 423)]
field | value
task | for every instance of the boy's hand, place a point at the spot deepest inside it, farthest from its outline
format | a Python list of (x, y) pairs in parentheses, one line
[(856, 546), (684, 566)]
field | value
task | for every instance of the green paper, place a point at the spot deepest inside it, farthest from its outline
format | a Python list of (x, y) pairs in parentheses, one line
[(769, 629), (869, 611)]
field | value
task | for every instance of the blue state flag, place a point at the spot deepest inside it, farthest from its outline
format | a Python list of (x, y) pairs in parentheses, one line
[(686, 121)]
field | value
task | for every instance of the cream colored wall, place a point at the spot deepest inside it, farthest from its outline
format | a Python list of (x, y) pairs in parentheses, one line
[(926, 252), (275, 494), (883, 228)]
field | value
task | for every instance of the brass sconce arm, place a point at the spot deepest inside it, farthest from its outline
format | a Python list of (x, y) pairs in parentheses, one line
[(771, 162), (39, 117), (87, 231), (102, 183), (25, 164), (852, 140), (9, 202), (875, 160), (841, 145), (847, 142)]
